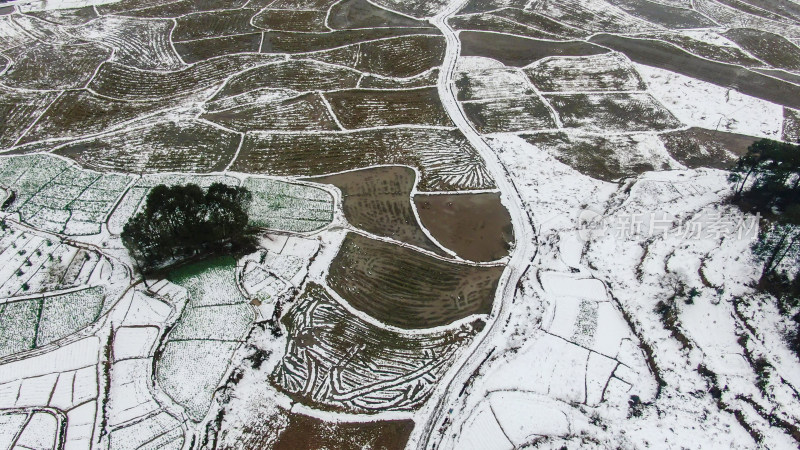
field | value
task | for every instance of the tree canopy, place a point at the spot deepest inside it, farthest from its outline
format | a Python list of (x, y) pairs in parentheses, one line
[(183, 220), (767, 181)]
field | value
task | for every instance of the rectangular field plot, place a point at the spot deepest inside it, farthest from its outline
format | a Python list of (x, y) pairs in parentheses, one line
[(408, 289), (337, 360), (401, 57), (377, 200), (53, 195), (288, 207), (445, 159), (65, 314), (305, 112), (607, 158), (601, 113), (610, 72), (29, 324), (509, 115), (186, 146), (33, 264), (489, 83), (375, 108), (211, 327)]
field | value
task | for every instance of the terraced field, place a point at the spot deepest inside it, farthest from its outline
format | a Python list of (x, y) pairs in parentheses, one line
[(378, 200), (161, 147), (406, 288), (326, 339), (465, 137), (444, 158)]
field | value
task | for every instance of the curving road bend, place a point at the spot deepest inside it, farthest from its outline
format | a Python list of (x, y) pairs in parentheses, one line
[(523, 253)]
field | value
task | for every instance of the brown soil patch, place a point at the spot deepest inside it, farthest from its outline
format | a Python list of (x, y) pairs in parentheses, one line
[(476, 227), (308, 433), (409, 289), (519, 51), (699, 147), (361, 108), (378, 200)]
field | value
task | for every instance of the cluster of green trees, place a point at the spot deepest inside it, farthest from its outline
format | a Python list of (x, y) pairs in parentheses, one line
[(183, 221), (767, 181)]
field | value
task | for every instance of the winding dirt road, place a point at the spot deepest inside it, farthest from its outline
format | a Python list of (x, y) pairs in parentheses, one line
[(523, 254)]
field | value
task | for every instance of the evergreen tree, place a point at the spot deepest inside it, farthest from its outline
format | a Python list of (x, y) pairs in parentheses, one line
[(767, 181), (181, 221)]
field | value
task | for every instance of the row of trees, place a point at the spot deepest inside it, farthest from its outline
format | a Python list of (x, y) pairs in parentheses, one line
[(182, 221)]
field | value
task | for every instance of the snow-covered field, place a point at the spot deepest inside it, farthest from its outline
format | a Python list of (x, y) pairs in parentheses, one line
[(624, 316)]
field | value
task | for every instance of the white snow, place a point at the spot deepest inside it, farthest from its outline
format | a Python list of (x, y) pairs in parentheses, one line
[(80, 426), (39, 433), (702, 104), (36, 391), (72, 356), (43, 5), (9, 427), (134, 342)]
